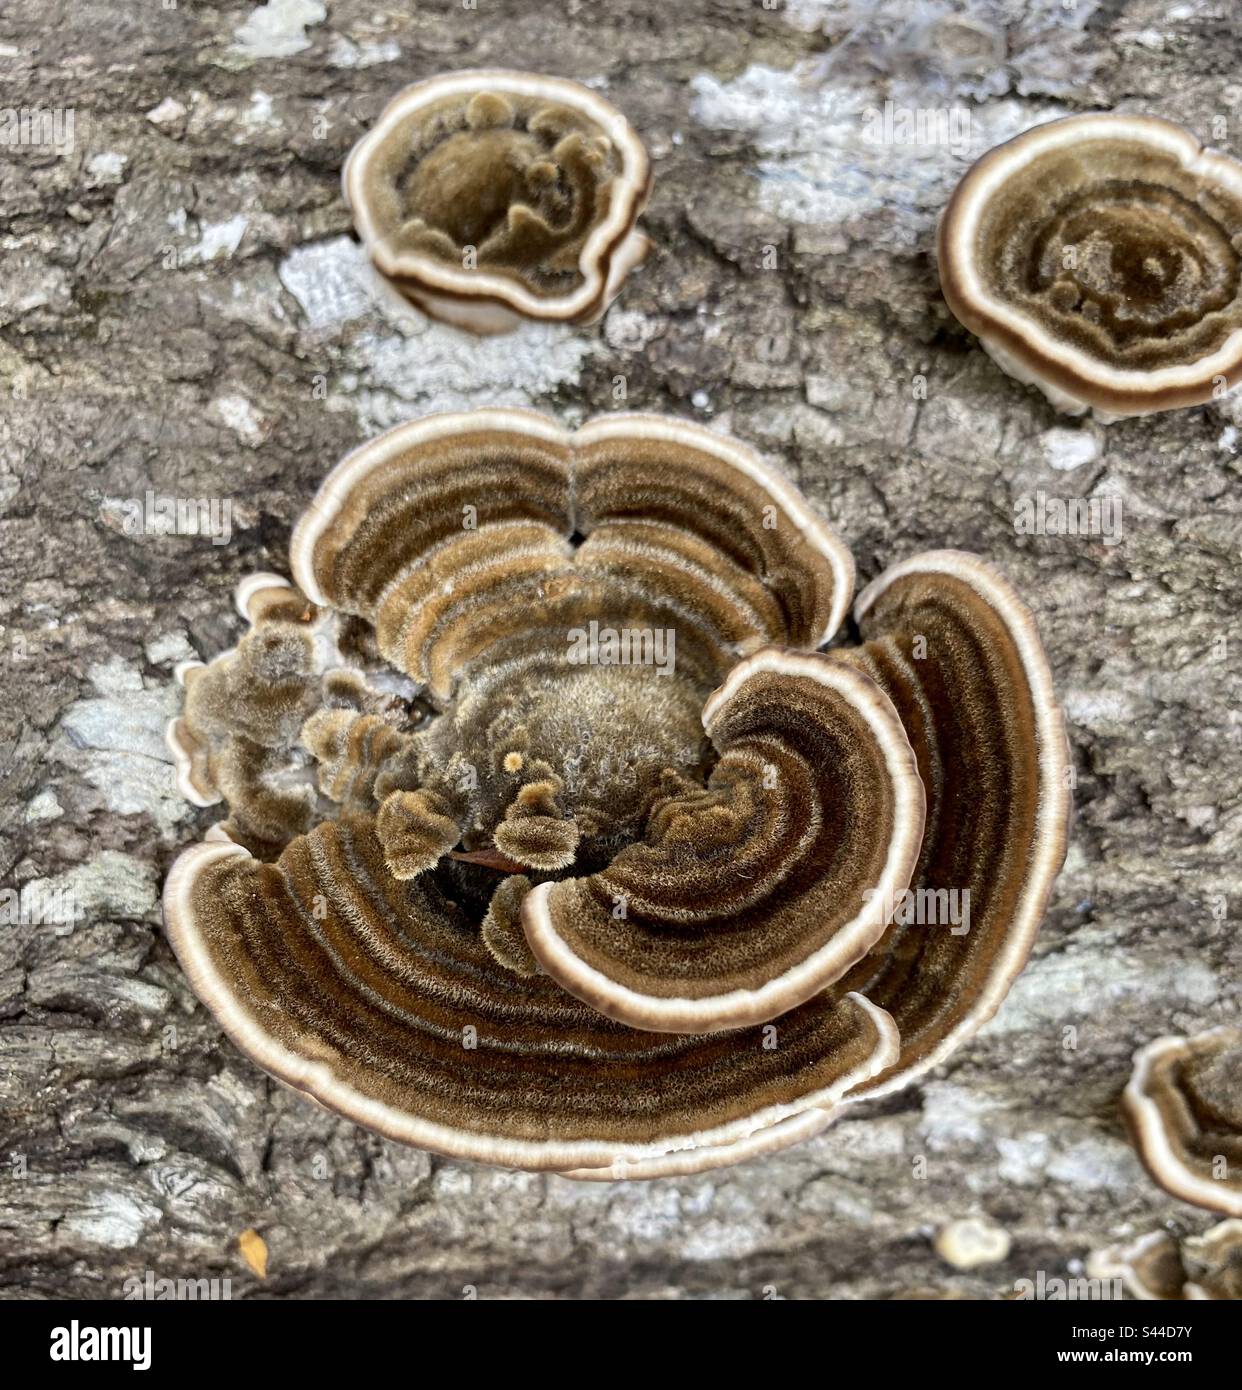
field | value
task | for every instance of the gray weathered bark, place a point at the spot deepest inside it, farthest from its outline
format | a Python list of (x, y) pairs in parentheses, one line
[(180, 312)]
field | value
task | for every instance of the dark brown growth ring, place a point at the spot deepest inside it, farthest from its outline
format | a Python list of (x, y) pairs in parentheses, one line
[(1098, 258)]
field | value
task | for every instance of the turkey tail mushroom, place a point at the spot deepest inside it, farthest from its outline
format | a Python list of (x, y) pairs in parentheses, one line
[(1100, 258), (487, 197)]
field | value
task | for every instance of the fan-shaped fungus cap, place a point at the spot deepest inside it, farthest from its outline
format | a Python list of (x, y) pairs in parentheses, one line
[(751, 894), (1100, 258), (1183, 1106), (377, 997), (461, 749), (434, 530), (489, 196), (958, 654)]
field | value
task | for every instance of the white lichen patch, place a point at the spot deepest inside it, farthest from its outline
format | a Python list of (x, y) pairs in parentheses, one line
[(1105, 711), (1024, 1157), (953, 1116), (106, 168), (278, 29), (1089, 981), (344, 53), (629, 330), (830, 156), (424, 366), (169, 648), (440, 368), (330, 281), (168, 112), (116, 1220), (217, 239), (44, 807), (115, 740), (249, 425), (112, 885), (1067, 448), (1099, 1161)]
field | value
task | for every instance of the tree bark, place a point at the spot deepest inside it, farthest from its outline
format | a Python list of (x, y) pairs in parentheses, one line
[(182, 314)]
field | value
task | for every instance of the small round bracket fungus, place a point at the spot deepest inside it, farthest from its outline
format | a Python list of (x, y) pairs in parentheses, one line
[(755, 892), (1100, 258), (1183, 1107), (1213, 1263), (488, 196), (1150, 1268)]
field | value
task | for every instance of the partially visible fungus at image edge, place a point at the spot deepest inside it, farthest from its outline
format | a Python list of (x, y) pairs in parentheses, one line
[(486, 197), (554, 840), (1183, 1107), (1099, 258), (1158, 1266)]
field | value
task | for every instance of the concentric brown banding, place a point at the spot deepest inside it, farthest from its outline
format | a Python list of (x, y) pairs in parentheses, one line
[(754, 893), (360, 990), (387, 538), (957, 652), (380, 962), (642, 472), (400, 498), (1147, 313)]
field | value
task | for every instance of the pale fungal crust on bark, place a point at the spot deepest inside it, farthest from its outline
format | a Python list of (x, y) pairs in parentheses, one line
[(957, 652), (1157, 1266), (1183, 1107), (1099, 258), (487, 196), (751, 894), (434, 808)]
